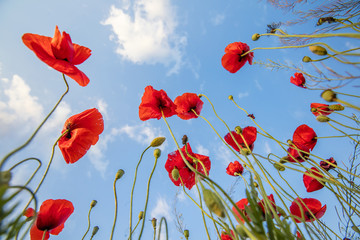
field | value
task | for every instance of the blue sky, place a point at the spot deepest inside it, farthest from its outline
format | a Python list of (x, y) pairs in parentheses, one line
[(172, 45)]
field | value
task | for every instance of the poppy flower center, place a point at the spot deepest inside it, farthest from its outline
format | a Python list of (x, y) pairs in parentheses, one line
[(240, 57), (68, 128)]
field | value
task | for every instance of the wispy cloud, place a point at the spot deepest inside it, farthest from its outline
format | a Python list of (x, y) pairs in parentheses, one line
[(200, 149), (161, 209), (145, 32), (223, 153), (218, 19), (243, 95), (267, 148)]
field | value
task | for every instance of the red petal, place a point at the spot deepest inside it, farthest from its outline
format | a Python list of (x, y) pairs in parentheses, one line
[(62, 46), (232, 63), (36, 234), (81, 54), (185, 103), (305, 136), (311, 183), (90, 119)]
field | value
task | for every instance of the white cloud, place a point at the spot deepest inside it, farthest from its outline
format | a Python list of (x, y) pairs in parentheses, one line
[(96, 154), (223, 153), (162, 209), (267, 148), (242, 95), (143, 133), (19, 106), (200, 149), (218, 19), (58, 118), (102, 107), (145, 33), (258, 85)]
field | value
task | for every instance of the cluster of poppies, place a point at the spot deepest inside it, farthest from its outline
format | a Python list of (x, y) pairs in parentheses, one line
[(80, 131)]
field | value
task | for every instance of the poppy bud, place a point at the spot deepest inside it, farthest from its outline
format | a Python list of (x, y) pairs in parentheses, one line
[(213, 202), (336, 107), (157, 153), (95, 230), (186, 233), (289, 142), (256, 184), (119, 174), (93, 203), (328, 95), (280, 211), (5, 177), (175, 174), (141, 215), (306, 59), (322, 118), (255, 37), (238, 130), (318, 50), (157, 141), (279, 167), (245, 151), (284, 160), (184, 139), (153, 222), (230, 97)]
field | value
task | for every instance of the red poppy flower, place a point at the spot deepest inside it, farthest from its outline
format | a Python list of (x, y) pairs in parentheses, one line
[(249, 134), (187, 177), (235, 169), (186, 103), (59, 53), (298, 80), (320, 109), (225, 236), (152, 102), (326, 165), (244, 202), (232, 59), (83, 131), (302, 209), (29, 213), (311, 183), (304, 137), (51, 217)]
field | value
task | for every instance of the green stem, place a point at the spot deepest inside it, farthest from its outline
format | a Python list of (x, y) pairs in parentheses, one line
[(147, 196), (166, 228), (202, 213), (347, 104), (44, 235), (132, 192), (88, 228), (37, 129), (116, 209), (48, 166)]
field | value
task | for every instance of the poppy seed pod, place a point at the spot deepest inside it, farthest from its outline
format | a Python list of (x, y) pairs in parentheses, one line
[(230, 97), (255, 37), (214, 203), (336, 107), (322, 118), (93, 203), (318, 50), (157, 153), (328, 95), (184, 139), (306, 59), (245, 151), (175, 174), (141, 215), (157, 141), (119, 174), (279, 167)]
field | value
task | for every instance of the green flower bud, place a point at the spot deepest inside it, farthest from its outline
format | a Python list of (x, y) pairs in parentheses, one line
[(119, 174), (284, 160), (289, 142), (186, 233), (256, 184), (245, 151), (141, 215), (322, 118), (306, 59), (279, 167), (153, 222), (213, 202), (157, 141), (238, 130), (336, 107), (157, 153), (318, 50), (93, 203), (328, 95), (95, 230), (175, 174), (255, 37)]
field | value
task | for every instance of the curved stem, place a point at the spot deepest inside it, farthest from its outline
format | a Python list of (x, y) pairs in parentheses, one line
[(132, 192), (147, 196), (37, 129), (166, 228), (116, 207), (88, 228)]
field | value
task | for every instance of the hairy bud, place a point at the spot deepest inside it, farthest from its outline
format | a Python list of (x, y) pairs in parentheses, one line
[(157, 142)]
